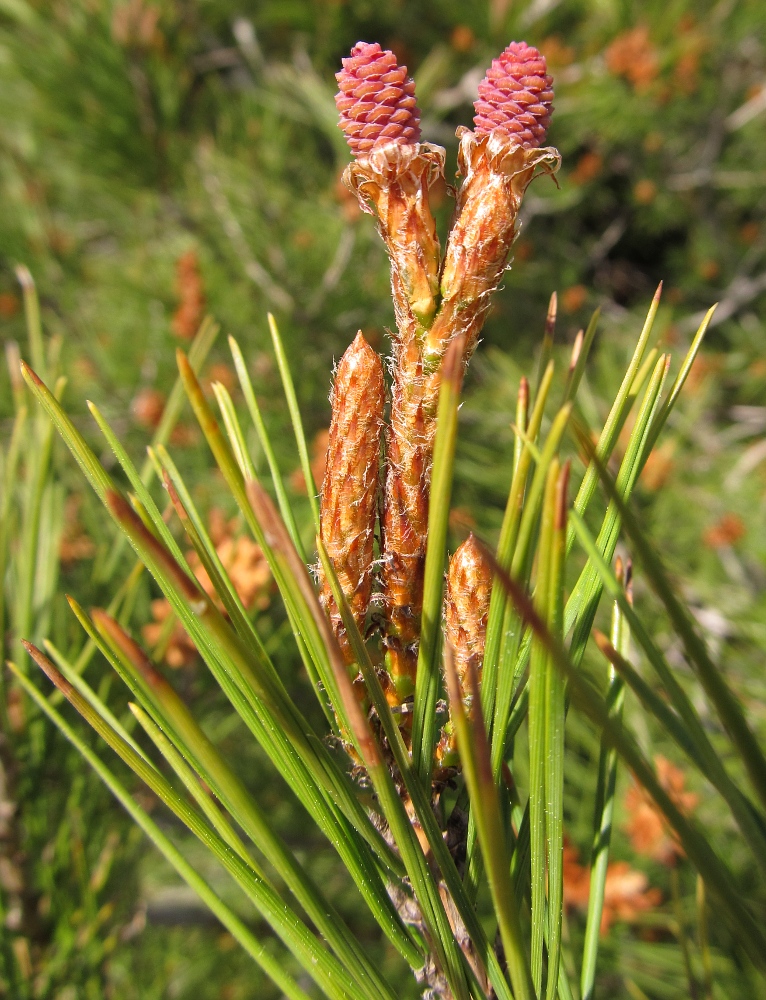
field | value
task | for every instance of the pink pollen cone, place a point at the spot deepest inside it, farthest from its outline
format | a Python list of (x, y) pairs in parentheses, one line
[(516, 96), (376, 100)]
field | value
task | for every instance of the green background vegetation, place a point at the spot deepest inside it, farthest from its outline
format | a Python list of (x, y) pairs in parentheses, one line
[(133, 132)]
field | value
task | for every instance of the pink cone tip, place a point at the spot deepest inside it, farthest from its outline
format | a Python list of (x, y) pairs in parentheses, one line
[(516, 96), (376, 100)]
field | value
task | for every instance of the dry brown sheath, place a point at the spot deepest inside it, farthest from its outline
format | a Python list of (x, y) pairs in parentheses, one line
[(466, 608), (349, 499), (394, 181)]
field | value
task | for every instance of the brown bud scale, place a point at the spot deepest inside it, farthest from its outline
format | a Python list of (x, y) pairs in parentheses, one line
[(466, 609), (349, 498)]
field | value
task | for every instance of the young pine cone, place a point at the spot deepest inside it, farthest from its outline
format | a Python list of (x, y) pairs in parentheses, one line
[(392, 173), (516, 96), (466, 608), (498, 160), (348, 504)]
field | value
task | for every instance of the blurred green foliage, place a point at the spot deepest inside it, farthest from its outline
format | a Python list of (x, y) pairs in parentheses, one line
[(133, 132)]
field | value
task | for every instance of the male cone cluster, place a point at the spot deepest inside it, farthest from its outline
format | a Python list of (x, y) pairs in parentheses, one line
[(435, 301)]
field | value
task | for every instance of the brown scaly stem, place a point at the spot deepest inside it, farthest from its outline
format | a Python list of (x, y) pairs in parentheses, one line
[(405, 522), (497, 171), (396, 179)]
